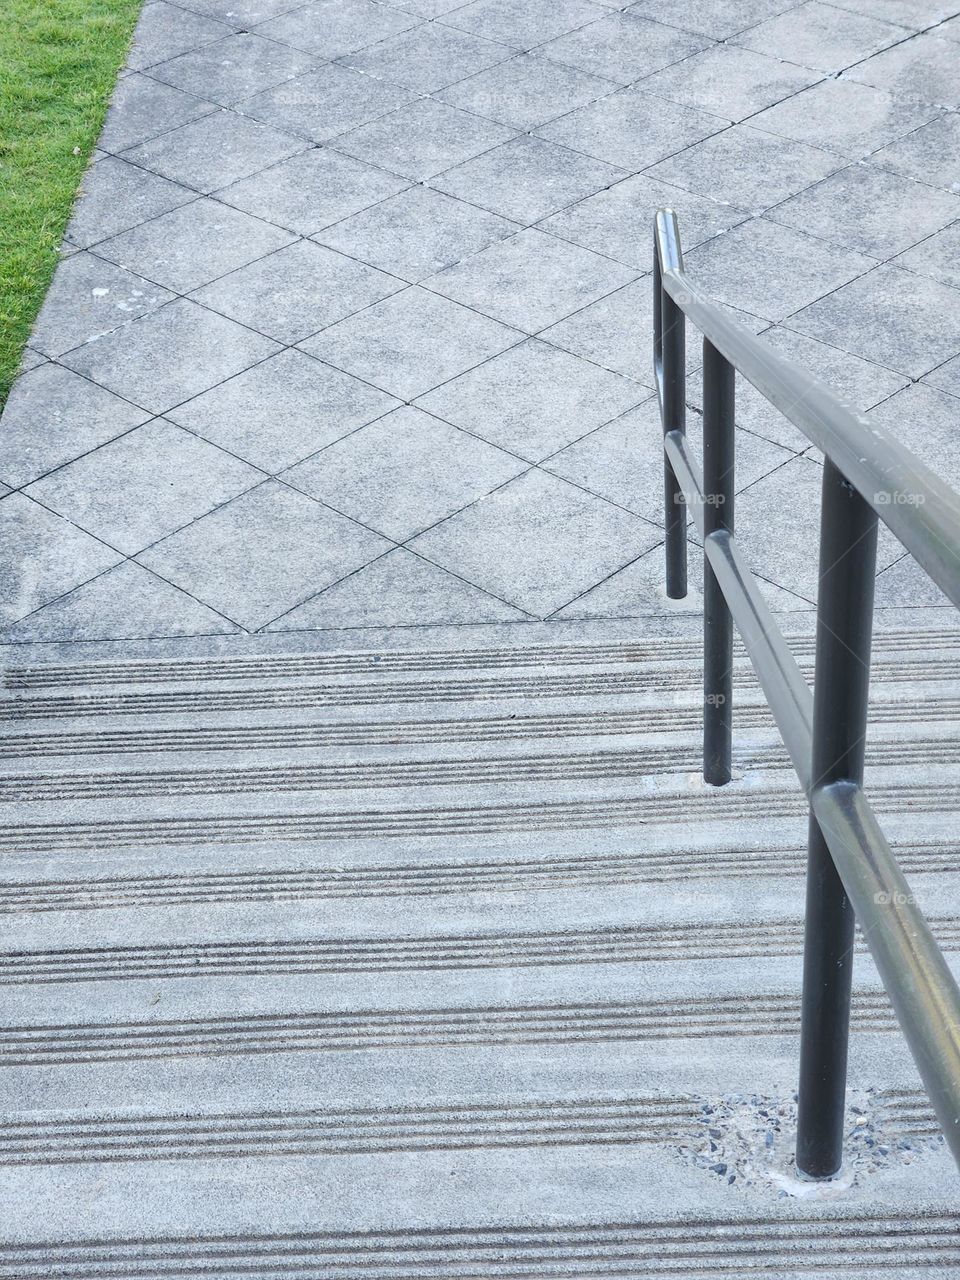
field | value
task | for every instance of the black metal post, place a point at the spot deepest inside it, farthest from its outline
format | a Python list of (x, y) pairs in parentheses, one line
[(718, 491), (848, 557), (670, 344)]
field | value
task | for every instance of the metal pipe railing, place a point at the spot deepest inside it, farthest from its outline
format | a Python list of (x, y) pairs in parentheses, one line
[(669, 353), (915, 504), (718, 492), (848, 565), (851, 870)]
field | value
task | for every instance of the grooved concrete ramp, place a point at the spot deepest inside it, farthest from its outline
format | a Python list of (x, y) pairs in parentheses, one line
[(427, 960)]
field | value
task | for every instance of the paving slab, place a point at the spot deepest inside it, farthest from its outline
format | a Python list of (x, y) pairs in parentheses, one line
[(523, 23), (537, 542), (867, 209), (946, 376), (613, 462), (115, 196), (923, 67), (165, 30), (631, 129), (170, 356), (533, 399), (88, 298), (42, 556), (925, 420), (906, 585), (448, 231), (262, 554), (312, 190), (411, 342), (215, 150), (638, 591), (729, 82), (526, 91), (926, 154), (886, 316), (422, 139), (398, 590), (611, 332), (531, 280), (859, 382), (717, 18), (243, 13), (331, 28), (291, 294), (404, 472), (144, 485), (53, 416), (845, 116), (936, 257), (527, 178), (623, 47), (616, 222), (127, 602), (193, 244), (908, 13), (282, 410), (746, 167), (233, 68), (798, 268), (428, 58), (141, 107), (326, 102), (820, 36)]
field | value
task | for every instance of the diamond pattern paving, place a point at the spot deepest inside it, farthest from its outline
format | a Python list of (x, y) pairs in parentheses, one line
[(295, 292), (423, 139), (193, 244), (428, 58), (311, 190), (327, 102), (53, 416), (144, 485), (88, 298), (404, 472), (537, 542), (448, 231), (233, 68), (262, 554), (533, 399), (116, 195), (331, 28), (526, 91), (282, 410), (411, 342), (42, 556), (530, 280), (527, 178), (353, 273), (166, 358)]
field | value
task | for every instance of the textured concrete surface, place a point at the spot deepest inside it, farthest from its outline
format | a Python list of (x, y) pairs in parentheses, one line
[(352, 325), (435, 959)]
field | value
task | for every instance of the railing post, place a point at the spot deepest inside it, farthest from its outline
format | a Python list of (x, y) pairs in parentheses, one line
[(848, 556), (669, 336), (718, 491)]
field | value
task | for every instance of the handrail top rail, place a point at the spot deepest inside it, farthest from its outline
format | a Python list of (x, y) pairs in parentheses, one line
[(919, 508)]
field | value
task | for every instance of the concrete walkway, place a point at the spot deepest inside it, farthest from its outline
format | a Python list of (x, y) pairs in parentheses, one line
[(353, 322)]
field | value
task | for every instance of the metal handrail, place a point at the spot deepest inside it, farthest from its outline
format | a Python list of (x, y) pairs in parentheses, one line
[(851, 869), (915, 504)]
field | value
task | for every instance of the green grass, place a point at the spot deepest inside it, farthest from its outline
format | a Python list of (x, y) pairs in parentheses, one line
[(58, 63)]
